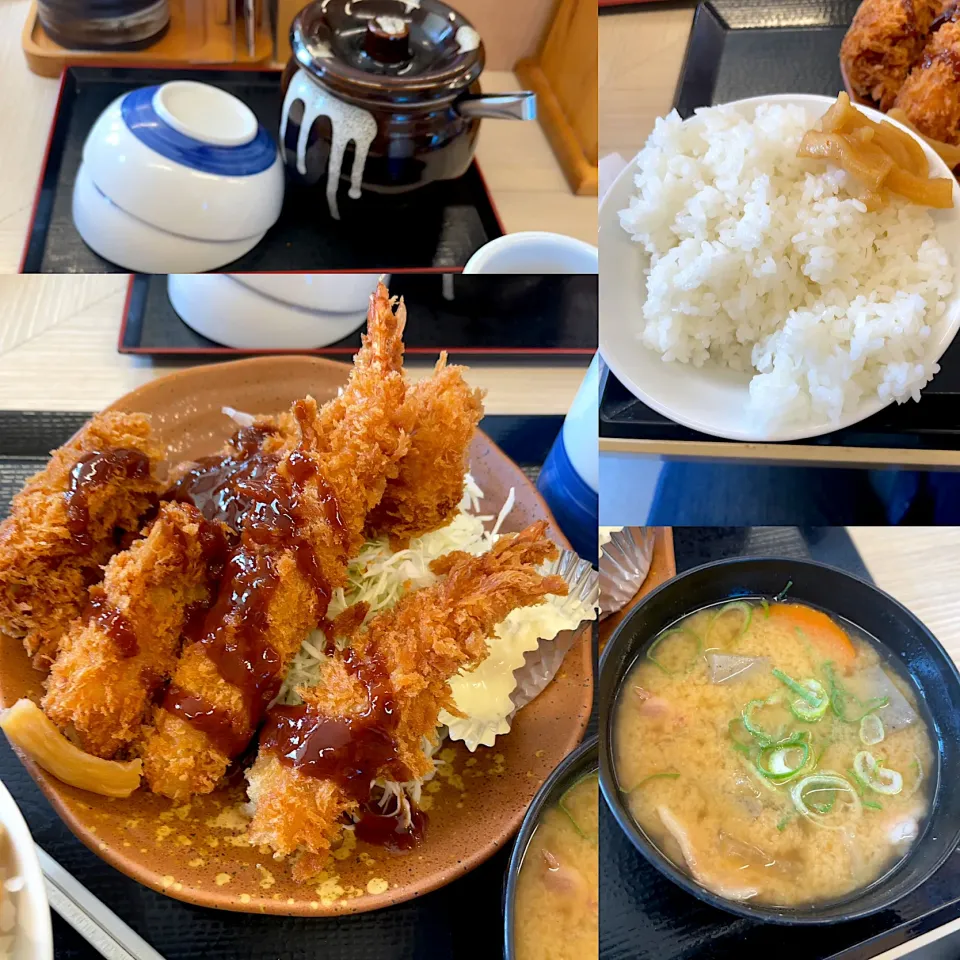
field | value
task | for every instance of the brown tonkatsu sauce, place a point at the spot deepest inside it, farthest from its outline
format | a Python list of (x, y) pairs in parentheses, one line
[(260, 499), (215, 485), (352, 751), (216, 723), (112, 622), (94, 470), (949, 13), (387, 831)]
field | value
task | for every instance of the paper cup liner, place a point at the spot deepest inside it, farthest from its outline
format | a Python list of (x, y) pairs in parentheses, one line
[(541, 665), (624, 564)]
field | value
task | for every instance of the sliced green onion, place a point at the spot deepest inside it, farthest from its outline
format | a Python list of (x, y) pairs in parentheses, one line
[(878, 779), (816, 783), (783, 593), (784, 820), (562, 804), (654, 776), (840, 698), (813, 701), (683, 631), (803, 710), (825, 806), (797, 688), (762, 736), (919, 779), (744, 608), (766, 606), (871, 730), (872, 805), (775, 763)]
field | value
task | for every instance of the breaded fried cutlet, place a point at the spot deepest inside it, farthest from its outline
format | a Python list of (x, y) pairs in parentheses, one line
[(382, 695), (303, 523), (68, 521), (116, 656), (429, 488), (930, 96), (885, 40)]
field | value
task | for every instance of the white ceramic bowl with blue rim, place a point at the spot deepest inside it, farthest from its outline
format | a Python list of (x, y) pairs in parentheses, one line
[(135, 245), (187, 158), (712, 399), (326, 292), (32, 936), (227, 311)]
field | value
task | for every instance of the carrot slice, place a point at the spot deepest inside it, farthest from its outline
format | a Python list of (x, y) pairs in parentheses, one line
[(825, 635)]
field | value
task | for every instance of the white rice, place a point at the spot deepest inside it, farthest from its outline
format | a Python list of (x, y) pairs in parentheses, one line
[(759, 261)]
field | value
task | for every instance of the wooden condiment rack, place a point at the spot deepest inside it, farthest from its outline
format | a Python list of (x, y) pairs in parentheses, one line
[(206, 36), (564, 76)]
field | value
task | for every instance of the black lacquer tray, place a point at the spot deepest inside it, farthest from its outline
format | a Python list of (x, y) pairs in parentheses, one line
[(547, 318), (440, 226), (749, 48), (644, 916), (463, 919)]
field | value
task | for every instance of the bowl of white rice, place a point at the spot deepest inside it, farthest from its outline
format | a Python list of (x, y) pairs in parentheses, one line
[(746, 295)]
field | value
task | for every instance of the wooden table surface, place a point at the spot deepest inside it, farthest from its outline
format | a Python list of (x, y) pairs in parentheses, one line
[(58, 334), (919, 566), (58, 351), (641, 55)]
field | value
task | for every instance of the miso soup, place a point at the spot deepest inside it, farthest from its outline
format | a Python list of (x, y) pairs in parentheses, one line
[(556, 905), (773, 753)]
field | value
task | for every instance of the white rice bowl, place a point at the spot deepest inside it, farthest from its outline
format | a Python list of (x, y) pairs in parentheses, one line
[(744, 294)]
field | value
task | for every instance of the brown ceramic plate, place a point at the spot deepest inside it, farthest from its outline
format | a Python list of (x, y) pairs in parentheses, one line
[(194, 851)]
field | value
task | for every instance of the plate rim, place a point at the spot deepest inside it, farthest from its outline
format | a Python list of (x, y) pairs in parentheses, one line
[(133, 868), (609, 226)]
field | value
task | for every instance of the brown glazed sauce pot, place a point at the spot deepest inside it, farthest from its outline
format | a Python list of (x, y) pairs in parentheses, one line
[(389, 92)]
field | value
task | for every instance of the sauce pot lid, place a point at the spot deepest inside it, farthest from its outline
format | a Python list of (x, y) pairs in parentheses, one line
[(387, 51)]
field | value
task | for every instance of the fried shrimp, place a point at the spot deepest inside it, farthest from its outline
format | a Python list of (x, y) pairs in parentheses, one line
[(68, 521), (379, 698), (883, 43), (427, 493), (113, 659), (299, 518)]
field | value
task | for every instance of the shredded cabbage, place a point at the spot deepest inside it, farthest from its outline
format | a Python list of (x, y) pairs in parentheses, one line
[(380, 576)]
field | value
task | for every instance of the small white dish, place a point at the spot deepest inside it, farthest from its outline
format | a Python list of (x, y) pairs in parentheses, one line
[(33, 935), (222, 308), (534, 252), (134, 245), (326, 292), (187, 158), (711, 399)]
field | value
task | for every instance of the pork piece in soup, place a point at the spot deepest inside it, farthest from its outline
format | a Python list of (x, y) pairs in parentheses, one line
[(557, 890), (773, 753)]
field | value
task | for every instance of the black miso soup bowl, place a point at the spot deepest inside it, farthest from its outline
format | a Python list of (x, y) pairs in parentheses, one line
[(911, 644), (575, 765)]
